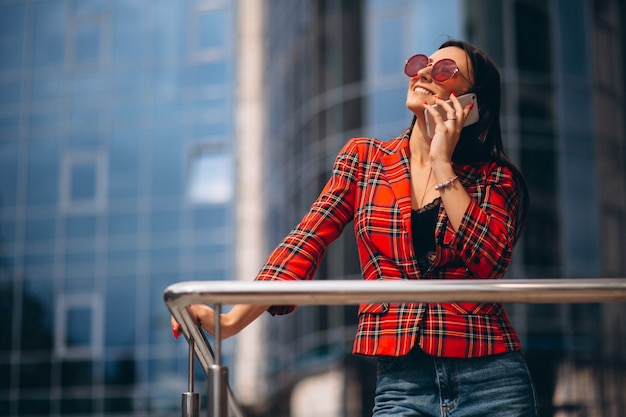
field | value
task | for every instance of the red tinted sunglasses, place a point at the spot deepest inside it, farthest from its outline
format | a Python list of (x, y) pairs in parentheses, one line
[(442, 70)]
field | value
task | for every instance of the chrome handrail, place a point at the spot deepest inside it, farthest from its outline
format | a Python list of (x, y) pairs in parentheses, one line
[(218, 293), (200, 345)]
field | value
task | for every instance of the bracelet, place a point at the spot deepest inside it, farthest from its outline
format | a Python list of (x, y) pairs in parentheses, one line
[(446, 183)]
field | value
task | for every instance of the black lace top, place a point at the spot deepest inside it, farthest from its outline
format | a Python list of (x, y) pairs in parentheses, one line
[(423, 222)]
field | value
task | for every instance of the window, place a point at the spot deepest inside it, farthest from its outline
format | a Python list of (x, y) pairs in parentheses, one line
[(209, 34), (78, 326), (210, 178), (83, 182), (87, 44)]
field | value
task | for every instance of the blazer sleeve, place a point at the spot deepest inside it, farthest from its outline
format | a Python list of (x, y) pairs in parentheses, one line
[(299, 254), (486, 237)]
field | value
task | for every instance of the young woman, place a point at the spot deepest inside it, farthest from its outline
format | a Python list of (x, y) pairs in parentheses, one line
[(446, 206)]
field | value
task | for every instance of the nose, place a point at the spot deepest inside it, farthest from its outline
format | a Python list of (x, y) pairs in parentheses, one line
[(422, 73)]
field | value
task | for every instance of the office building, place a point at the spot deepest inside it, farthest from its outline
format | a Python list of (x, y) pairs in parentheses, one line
[(116, 180)]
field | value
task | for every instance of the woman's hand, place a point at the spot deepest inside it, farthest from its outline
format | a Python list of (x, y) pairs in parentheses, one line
[(231, 323), (447, 132)]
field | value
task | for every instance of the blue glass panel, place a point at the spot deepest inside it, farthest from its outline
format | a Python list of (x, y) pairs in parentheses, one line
[(210, 177), (124, 158), (384, 4), (85, 130), (210, 217), (9, 126), (11, 19), (73, 405), (211, 74), (43, 260), (87, 47), (10, 92), (76, 373), (7, 232), (80, 226), (83, 181), (40, 229), (128, 30), (165, 222), (47, 86), (35, 406), (122, 259), (120, 311), (86, 86), (213, 29), (79, 279), (121, 371), (168, 43), (78, 327), (37, 314), (35, 375), (167, 83), (389, 106), (165, 260), (390, 54), (123, 224), (87, 7), (126, 84), (49, 35), (8, 173), (167, 163), (11, 36)]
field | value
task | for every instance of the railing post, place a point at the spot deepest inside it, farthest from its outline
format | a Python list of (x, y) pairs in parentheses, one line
[(191, 400), (217, 398)]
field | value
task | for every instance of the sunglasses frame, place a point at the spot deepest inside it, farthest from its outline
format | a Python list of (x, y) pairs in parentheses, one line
[(434, 71)]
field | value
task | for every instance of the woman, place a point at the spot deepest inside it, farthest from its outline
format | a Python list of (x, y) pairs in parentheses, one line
[(450, 206)]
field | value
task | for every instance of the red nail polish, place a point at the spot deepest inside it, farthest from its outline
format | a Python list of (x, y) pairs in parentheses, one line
[(471, 106), (176, 332), (436, 97), (425, 102), (453, 93)]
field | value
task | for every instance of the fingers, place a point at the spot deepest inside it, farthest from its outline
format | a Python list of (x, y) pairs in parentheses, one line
[(177, 329), (454, 110), (201, 315)]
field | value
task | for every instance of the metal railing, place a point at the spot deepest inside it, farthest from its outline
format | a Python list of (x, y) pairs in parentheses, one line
[(221, 402)]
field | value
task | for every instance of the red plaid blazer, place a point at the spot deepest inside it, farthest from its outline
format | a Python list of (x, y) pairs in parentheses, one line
[(370, 186)]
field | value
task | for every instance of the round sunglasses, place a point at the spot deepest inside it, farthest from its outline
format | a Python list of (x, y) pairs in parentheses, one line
[(441, 71)]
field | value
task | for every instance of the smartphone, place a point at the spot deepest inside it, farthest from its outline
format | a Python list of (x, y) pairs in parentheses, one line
[(465, 99)]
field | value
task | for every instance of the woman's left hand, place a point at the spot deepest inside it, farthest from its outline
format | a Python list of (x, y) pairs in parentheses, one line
[(447, 132)]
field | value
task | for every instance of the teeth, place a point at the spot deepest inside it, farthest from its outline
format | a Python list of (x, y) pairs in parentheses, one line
[(421, 90)]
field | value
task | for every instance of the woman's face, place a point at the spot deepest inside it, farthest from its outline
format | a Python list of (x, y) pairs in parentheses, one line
[(422, 88)]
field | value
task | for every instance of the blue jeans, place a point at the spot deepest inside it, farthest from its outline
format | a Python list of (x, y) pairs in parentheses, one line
[(423, 385)]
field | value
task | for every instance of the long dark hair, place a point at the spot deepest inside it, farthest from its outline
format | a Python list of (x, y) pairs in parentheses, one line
[(482, 141)]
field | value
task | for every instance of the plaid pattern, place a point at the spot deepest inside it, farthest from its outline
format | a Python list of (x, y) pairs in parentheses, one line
[(370, 185)]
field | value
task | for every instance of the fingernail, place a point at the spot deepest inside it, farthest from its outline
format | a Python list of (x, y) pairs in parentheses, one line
[(176, 332), (471, 106), (436, 97), (453, 93), (425, 102)]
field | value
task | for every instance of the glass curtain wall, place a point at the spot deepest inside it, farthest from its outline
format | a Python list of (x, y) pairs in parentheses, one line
[(116, 180)]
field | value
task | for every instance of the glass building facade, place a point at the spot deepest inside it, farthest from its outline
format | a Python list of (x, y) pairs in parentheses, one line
[(116, 180)]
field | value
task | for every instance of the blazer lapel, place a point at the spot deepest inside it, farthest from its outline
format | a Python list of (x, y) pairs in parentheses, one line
[(396, 167)]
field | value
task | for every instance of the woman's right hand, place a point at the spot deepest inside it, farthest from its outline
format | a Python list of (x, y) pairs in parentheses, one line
[(231, 323)]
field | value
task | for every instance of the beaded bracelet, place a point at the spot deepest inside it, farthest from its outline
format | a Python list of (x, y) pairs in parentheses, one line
[(446, 183)]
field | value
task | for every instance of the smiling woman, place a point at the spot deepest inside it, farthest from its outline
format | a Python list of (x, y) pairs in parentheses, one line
[(446, 205)]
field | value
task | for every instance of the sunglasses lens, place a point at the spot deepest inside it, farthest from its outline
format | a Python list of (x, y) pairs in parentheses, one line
[(415, 64), (444, 70)]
